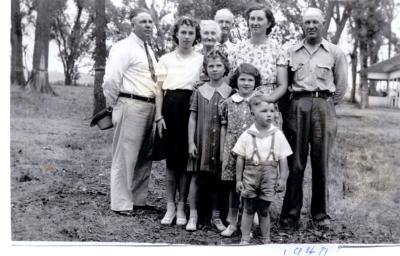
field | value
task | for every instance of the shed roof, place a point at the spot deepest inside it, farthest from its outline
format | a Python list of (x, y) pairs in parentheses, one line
[(387, 69)]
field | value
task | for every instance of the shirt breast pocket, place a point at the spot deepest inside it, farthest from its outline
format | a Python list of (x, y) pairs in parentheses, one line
[(322, 71), (300, 71)]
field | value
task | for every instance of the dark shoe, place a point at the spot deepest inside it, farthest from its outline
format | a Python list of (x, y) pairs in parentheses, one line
[(323, 223), (144, 207), (124, 213), (288, 223)]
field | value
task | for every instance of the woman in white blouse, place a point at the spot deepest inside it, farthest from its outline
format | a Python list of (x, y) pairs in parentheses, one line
[(177, 72)]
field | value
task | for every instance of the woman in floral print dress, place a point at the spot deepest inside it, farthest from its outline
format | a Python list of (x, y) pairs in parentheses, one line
[(264, 53)]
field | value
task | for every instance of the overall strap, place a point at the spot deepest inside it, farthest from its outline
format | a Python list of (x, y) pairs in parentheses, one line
[(255, 148), (271, 150)]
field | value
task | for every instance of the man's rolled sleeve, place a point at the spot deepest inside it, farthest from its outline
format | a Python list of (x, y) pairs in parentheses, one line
[(340, 75), (116, 65)]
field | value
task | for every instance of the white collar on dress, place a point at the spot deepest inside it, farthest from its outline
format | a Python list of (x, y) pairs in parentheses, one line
[(208, 91), (237, 98)]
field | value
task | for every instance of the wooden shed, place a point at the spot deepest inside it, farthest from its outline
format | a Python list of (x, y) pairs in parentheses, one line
[(388, 70)]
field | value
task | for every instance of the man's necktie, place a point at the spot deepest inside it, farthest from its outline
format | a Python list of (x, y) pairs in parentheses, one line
[(150, 61)]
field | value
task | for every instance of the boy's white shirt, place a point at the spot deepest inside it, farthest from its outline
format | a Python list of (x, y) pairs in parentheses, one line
[(244, 145)]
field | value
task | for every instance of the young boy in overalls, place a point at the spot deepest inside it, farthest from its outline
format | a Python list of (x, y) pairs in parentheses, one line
[(261, 167)]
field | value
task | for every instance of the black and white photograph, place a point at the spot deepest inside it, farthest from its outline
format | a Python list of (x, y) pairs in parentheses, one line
[(230, 124)]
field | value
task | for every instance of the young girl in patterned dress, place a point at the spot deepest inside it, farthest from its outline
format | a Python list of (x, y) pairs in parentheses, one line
[(204, 138), (236, 118)]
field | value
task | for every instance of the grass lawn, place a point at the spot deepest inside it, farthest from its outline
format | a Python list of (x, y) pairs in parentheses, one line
[(60, 179)]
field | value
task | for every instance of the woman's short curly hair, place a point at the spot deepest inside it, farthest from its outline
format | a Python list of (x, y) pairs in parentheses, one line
[(245, 68), (189, 21), (268, 14), (214, 54)]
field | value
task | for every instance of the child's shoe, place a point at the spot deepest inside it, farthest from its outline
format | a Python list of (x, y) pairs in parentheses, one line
[(192, 224), (244, 242), (217, 222), (181, 218), (266, 240), (229, 231), (169, 215), (180, 215)]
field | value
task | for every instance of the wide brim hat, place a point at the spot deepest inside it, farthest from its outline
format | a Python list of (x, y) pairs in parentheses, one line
[(103, 119)]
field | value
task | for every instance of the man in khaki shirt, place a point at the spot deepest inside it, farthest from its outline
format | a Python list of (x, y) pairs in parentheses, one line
[(319, 71)]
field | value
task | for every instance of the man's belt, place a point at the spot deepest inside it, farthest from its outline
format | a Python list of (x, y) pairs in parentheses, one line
[(314, 94), (136, 97)]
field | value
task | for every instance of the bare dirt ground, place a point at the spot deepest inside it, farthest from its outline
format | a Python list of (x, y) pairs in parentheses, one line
[(60, 180)]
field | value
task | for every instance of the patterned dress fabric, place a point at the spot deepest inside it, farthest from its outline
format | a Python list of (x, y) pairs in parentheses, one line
[(266, 58)]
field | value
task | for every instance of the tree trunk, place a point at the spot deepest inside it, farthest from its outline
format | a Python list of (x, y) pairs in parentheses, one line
[(40, 78), (100, 55), (68, 78), (354, 62), (374, 46), (363, 74), (17, 67), (340, 27)]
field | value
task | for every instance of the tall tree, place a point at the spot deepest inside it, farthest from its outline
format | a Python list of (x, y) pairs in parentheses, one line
[(354, 63), (369, 20), (17, 68), (73, 40), (39, 81), (100, 55)]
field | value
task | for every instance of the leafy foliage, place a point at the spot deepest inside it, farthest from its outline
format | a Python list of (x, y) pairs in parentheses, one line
[(73, 35)]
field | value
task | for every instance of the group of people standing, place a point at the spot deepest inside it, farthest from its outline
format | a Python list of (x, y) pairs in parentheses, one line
[(214, 104)]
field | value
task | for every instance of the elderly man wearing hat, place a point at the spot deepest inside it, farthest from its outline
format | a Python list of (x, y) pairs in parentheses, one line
[(319, 82), (130, 86)]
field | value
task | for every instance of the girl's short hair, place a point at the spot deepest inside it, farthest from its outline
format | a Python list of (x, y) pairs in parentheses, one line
[(189, 21), (210, 23), (268, 14), (214, 54), (245, 68)]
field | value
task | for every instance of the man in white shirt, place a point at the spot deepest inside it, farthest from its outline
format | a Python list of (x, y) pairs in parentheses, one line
[(129, 86)]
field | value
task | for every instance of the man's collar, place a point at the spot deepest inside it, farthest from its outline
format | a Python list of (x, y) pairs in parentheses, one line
[(135, 38), (324, 43), (208, 91), (237, 98)]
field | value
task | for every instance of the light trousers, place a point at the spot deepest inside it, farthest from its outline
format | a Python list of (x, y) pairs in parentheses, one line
[(131, 153)]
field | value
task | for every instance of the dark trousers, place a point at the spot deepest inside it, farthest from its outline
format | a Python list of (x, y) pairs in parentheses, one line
[(309, 122)]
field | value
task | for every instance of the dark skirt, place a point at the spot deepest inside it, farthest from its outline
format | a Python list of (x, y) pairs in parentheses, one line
[(176, 114)]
